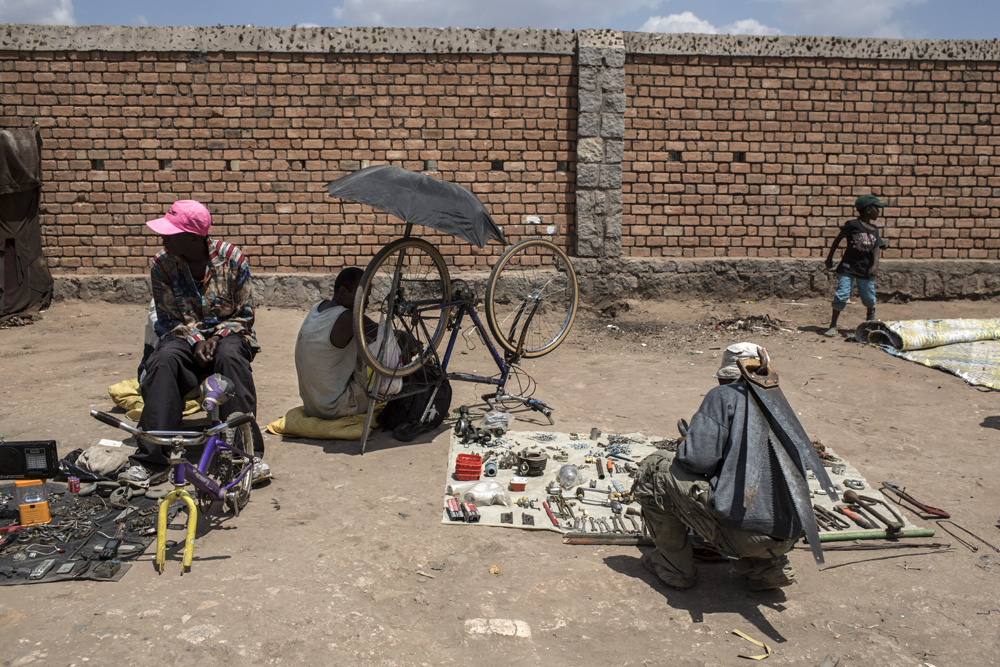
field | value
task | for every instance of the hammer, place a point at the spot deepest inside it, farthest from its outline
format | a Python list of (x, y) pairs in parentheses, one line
[(867, 502)]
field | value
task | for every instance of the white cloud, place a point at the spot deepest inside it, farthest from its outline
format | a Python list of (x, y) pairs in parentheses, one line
[(748, 27), (52, 12), (140, 19), (687, 22), (547, 14), (683, 22), (861, 18)]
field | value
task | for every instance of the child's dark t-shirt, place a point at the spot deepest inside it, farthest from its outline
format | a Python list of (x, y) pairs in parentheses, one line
[(862, 239)]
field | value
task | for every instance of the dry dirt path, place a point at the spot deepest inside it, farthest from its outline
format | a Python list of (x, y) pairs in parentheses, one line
[(331, 575)]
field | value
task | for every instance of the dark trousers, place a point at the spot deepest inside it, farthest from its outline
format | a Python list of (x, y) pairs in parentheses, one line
[(172, 371)]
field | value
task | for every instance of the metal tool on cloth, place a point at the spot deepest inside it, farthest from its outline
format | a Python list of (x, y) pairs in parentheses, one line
[(835, 521), (869, 503), (862, 521)]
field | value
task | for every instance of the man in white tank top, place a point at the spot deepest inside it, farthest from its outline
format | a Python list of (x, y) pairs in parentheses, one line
[(332, 374)]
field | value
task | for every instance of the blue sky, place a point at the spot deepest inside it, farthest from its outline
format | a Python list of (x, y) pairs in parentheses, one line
[(908, 19)]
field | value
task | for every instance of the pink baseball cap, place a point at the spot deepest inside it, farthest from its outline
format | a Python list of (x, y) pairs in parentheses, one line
[(185, 215)]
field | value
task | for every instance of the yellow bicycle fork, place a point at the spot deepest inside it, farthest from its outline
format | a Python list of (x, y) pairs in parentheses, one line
[(179, 493), (161, 529)]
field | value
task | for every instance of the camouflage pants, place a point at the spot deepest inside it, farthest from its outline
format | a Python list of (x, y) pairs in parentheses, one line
[(674, 500)]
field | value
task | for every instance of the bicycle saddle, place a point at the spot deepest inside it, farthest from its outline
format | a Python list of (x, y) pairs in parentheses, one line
[(215, 390)]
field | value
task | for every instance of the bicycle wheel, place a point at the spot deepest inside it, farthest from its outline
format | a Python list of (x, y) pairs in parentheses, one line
[(228, 465), (407, 286), (531, 298)]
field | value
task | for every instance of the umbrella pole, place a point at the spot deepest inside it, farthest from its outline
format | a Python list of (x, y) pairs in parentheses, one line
[(407, 230)]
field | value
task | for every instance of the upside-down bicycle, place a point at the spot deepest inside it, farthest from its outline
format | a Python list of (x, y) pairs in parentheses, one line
[(530, 298)]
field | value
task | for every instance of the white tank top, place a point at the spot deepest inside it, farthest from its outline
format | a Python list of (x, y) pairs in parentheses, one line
[(332, 380)]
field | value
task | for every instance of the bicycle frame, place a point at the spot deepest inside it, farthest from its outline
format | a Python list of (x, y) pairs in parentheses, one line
[(185, 473), (504, 364)]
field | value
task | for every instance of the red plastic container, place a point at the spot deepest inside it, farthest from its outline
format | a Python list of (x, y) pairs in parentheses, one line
[(468, 467)]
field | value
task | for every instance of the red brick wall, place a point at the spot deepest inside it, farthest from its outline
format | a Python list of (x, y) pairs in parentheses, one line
[(813, 133), (724, 156), (257, 136)]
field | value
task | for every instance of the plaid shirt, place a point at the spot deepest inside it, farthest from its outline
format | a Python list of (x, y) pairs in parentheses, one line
[(221, 306)]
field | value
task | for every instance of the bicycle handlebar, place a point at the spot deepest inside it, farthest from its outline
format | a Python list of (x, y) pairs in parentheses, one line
[(171, 438), (107, 419)]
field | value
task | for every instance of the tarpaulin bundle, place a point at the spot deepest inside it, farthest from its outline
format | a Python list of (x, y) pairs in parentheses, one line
[(968, 348)]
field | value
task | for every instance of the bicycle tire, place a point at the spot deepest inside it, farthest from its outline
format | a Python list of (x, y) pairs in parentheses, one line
[(423, 287), (228, 465), (532, 284)]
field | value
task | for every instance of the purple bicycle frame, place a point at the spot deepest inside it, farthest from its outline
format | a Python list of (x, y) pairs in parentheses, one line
[(184, 472)]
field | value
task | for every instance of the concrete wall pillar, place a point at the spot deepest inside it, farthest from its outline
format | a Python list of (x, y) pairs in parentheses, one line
[(600, 143)]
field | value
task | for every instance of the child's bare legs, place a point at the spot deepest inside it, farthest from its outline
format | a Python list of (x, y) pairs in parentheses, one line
[(832, 331), (844, 285), (866, 289)]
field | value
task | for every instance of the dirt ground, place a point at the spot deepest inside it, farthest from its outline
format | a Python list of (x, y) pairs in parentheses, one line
[(322, 565)]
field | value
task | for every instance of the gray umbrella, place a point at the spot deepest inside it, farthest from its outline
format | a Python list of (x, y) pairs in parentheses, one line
[(420, 199)]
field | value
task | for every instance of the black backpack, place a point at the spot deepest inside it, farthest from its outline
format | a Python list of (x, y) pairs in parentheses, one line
[(403, 415)]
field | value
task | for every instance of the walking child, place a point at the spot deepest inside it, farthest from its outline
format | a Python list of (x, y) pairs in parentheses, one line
[(860, 261)]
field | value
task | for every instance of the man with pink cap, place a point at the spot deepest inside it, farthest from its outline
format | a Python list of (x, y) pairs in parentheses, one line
[(204, 320)]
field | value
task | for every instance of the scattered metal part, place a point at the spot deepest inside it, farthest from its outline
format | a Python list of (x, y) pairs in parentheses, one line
[(971, 546), (855, 484), (507, 517), (830, 518), (527, 520), (531, 463), (668, 444)]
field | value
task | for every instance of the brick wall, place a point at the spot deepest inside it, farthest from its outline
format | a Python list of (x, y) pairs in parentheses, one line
[(257, 136), (732, 146), (763, 157)]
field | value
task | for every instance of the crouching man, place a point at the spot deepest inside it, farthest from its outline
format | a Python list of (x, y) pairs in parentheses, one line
[(731, 481)]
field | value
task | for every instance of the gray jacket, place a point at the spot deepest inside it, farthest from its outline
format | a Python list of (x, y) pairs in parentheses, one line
[(716, 448)]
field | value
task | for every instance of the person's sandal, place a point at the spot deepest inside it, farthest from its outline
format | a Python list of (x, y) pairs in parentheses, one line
[(831, 332)]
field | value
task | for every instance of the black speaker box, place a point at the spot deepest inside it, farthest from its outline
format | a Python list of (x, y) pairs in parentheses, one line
[(28, 460)]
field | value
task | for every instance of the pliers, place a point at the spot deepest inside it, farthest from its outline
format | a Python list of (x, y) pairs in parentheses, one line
[(903, 495)]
